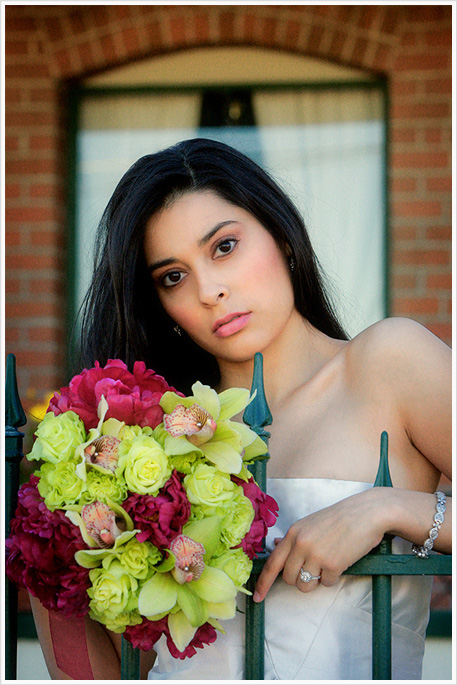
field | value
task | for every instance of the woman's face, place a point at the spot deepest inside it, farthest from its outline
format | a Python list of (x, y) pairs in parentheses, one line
[(219, 275)]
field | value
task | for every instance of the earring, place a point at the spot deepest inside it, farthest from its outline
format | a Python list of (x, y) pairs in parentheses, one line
[(291, 263), (177, 330)]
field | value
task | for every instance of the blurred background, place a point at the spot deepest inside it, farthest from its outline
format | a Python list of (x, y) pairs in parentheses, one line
[(347, 106)]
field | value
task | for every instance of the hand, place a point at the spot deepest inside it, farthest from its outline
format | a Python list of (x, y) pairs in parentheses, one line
[(325, 543)]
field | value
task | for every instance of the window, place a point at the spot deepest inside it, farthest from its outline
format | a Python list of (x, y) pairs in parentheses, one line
[(318, 129)]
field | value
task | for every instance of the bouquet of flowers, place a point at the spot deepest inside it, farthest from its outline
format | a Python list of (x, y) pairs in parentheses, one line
[(143, 512)]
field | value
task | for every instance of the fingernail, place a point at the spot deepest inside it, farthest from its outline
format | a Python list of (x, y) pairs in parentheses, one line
[(256, 597)]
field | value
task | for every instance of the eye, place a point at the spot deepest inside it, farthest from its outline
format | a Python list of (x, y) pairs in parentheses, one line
[(172, 278), (225, 246)]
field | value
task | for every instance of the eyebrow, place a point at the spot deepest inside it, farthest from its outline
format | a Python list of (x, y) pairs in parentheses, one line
[(201, 243)]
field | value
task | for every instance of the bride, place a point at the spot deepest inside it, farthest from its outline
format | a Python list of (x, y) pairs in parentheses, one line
[(202, 262)]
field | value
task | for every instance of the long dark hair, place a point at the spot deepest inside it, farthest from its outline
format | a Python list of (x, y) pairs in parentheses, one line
[(122, 316)]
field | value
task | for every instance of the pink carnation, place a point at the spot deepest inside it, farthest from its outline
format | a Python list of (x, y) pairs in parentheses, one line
[(132, 397), (266, 511), (160, 517), (145, 635), (40, 554)]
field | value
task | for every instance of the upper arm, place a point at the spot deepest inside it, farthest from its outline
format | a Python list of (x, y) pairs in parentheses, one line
[(414, 369)]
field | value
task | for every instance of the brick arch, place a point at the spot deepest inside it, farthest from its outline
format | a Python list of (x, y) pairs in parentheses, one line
[(49, 46), (89, 40)]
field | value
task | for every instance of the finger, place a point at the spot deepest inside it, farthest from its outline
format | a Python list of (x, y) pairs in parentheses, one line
[(277, 540), (329, 578), (293, 564), (308, 578), (273, 566)]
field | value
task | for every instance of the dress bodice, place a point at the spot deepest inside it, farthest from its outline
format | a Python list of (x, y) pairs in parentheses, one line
[(321, 635)]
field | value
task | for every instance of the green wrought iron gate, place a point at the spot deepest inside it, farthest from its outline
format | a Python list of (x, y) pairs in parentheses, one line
[(381, 564)]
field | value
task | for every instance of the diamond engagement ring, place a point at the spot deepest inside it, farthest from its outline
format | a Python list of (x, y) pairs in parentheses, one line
[(306, 577)]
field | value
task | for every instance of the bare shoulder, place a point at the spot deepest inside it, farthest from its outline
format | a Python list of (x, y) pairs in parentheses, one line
[(395, 348), (400, 364)]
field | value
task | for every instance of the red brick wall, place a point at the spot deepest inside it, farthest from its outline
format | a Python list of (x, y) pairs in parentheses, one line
[(48, 45)]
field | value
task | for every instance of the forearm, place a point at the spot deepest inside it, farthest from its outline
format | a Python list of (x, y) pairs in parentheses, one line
[(409, 514)]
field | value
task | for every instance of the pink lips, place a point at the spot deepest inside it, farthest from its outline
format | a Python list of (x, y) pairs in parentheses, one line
[(230, 324)]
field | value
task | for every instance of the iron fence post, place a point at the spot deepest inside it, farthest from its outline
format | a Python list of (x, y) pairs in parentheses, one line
[(14, 417), (257, 415), (382, 588), (130, 661)]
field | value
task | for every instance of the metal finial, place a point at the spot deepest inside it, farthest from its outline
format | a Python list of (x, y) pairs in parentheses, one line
[(14, 413), (257, 413), (383, 476)]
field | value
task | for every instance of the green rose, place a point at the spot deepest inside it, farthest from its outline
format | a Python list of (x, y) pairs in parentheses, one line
[(236, 564), (120, 622), (138, 558), (131, 432), (238, 517), (59, 484), (185, 463), (208, 486), (58, 437), (143, 464), (113, 594), (102, 487)]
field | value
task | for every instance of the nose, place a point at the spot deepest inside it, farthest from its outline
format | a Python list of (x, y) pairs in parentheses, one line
[(211, 292)]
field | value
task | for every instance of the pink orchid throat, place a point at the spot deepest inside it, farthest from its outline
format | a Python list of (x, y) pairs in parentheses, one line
[(195, 422), (189, 562)]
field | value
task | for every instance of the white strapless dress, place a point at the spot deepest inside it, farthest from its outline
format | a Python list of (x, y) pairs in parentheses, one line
[(321, 635)]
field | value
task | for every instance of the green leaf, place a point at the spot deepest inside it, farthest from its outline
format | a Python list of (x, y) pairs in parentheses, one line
[(157, 595), (207, 398), (214, 585), (225, 457), (195, 609), (181, 630), (207, 532), (233, 401)]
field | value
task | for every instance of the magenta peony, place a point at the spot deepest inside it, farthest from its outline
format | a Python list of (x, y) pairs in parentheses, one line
[(160, 517), (132, 397), (40, 554), (266, 511), (145, 635)]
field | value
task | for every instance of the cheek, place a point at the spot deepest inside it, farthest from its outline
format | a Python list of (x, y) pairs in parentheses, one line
[(270, 272), (179, 310)]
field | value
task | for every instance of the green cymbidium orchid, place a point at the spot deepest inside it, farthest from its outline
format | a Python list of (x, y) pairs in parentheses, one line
[(207, 596), (74, 513), (101, 449), (202, 423)]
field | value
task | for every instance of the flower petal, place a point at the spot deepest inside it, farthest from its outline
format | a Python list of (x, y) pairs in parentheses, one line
[(233, 401), (222, 610), (257, 448), (246, 434), (207, 532), (195, 609), (181, 630), (214, 585), (208, 398), (175, 446), (169, 400), (157, 595), (225, 457)]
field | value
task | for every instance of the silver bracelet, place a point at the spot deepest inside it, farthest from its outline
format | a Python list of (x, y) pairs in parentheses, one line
[(422, 551)]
